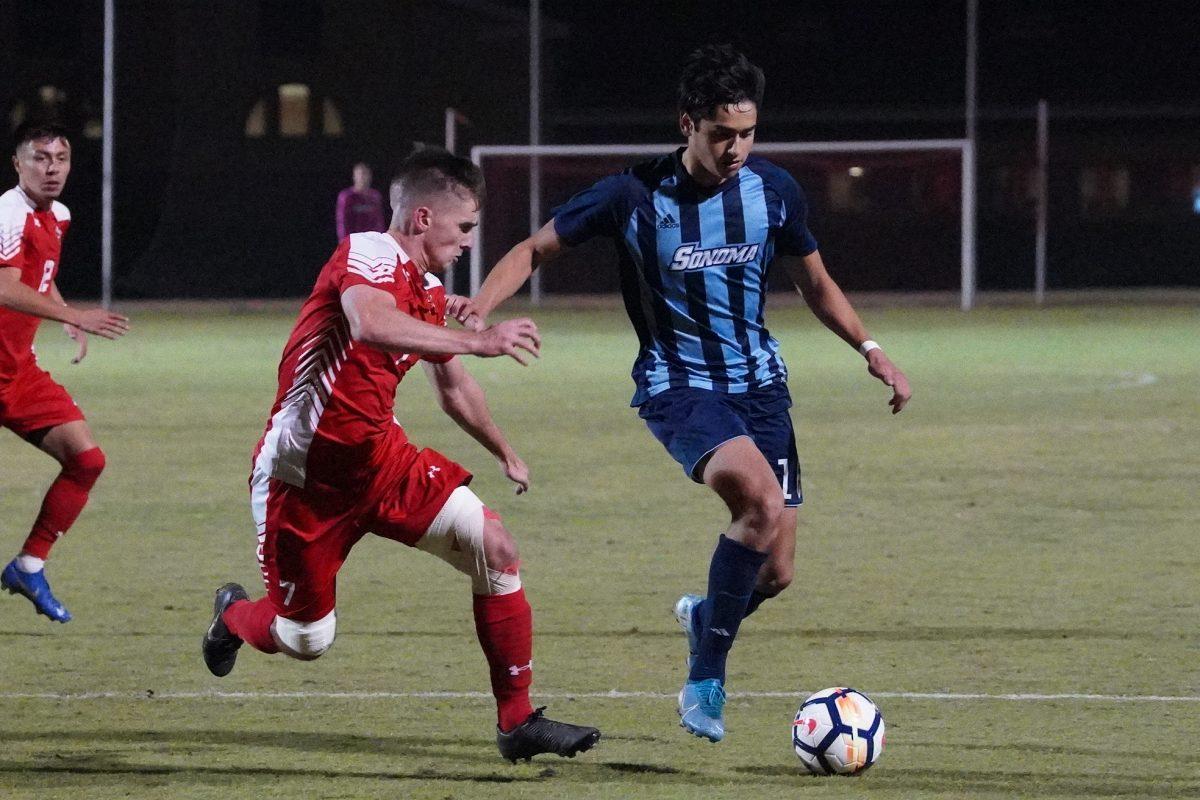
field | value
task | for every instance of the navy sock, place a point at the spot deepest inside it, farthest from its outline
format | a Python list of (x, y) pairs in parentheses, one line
[(731, 578), (757, 598)]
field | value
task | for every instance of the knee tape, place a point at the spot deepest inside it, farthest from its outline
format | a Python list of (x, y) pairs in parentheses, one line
[(309, 639), (456, 537)]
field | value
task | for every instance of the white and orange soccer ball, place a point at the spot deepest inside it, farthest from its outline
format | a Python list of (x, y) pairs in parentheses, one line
[(838, 731)]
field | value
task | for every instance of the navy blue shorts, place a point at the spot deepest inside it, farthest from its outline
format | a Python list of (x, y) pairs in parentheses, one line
[(692, 423)]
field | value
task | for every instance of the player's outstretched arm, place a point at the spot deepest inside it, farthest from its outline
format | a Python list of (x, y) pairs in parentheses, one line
[(19, 297), (78, 335), (463, 400), (511, 272), (829, 304), (375, 320)]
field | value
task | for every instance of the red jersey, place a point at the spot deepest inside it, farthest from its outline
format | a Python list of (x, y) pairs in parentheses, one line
[(31, 241), (336, 396)]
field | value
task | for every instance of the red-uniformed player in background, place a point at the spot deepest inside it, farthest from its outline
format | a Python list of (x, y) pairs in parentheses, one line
[(32, 405), (334, 464)]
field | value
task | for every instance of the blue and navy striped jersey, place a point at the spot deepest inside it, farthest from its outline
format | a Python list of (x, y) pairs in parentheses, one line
[(693, 267)]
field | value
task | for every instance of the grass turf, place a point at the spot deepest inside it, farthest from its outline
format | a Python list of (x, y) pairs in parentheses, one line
[(1026, 526)]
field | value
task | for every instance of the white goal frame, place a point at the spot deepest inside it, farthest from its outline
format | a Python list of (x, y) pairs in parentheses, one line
[(965, 147)]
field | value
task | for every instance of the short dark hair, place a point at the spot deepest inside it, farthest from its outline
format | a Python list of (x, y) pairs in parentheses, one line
[(35, 130), (717, 75), (429, 171)]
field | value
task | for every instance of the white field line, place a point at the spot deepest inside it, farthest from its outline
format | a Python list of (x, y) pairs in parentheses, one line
[(612, 694)]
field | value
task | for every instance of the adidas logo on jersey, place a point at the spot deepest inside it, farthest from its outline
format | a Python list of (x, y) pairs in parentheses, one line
[(689, 257), (667, 222)]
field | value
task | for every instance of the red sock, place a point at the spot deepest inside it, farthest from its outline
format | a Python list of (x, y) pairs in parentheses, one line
[(504, 624), (250, 620), (64, 500)]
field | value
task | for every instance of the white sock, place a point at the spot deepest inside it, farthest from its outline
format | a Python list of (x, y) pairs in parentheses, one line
[(30, 564)]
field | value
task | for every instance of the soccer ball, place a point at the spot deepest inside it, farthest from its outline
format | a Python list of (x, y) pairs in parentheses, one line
[(838, 731)]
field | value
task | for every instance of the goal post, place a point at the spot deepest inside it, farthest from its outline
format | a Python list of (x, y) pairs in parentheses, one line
[(578, 166)]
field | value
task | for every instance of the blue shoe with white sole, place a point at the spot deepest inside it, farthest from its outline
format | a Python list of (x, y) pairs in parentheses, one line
[(702, 709), (33, 585)]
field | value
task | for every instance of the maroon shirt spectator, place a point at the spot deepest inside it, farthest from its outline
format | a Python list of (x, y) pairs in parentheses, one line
[(359, 207)]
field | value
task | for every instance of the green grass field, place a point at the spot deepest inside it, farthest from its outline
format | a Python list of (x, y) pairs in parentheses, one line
[(1027, 527)]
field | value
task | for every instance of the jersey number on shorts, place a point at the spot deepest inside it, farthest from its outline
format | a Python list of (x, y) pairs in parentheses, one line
[(47, 276), (291, 590), (784, 483)]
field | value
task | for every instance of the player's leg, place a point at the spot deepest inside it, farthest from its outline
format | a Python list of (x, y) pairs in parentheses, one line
[(741, 477), (771, 426), (43, 413), (708, 433), (267, 624), (426, 504), (296, 616), (305, 538), (74, 448), (739, 474), (776, 574), (471, 537)]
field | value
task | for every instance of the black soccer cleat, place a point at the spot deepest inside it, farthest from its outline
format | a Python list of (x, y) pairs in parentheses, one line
[(220, 646), (540, 735)]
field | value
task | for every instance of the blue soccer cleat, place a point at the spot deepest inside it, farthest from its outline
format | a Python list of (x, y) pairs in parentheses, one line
[(33, 585), (685, 608), (702, 709)]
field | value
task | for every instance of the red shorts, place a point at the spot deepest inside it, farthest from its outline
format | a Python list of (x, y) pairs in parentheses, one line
[(31, 401), (305, 534)]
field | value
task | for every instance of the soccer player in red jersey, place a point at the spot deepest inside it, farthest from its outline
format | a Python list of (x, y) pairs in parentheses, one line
[(32, 405), (334, 464)]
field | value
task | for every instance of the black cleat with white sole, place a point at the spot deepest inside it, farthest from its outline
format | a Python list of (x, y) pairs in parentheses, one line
[(537, 735), (220, 644)]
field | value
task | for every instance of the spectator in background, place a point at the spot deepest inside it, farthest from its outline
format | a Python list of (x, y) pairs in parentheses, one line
[(359, 207)]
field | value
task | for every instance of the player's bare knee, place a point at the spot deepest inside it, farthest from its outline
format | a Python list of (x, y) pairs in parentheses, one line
[(774, 582), (499, 547), (305, 641), (754, 498), (761, 509)]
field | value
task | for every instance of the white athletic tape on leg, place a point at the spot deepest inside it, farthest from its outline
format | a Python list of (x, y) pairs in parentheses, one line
[(307, 639), (499, 583), (456, 537)]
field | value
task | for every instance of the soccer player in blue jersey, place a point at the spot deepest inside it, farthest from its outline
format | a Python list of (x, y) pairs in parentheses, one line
[(696, 231)]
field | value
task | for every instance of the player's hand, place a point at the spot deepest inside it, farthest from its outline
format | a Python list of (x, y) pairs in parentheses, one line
[(80, 338), (516, 471), (462, 309), (882, 368), (513, 338), (103, 323)]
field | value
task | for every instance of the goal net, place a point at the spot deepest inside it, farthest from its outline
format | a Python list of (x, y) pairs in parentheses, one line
[(887, 215)]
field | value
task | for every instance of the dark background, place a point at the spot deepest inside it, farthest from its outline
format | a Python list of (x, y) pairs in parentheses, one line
[(203, 210)]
